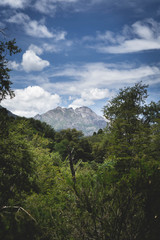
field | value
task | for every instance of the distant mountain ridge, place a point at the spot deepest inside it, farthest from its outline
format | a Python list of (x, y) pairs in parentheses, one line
[(82, 118)]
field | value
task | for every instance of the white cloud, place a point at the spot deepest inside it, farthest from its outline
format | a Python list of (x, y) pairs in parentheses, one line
[(107, 36), (36, 49), (50, 6), (30, 101), (13, 65), (93, 82), (88, 97), (56, 47), (100, 76), (130, 46), (60, 35), (45, 6), (36, 28), (19, 18), (32, 62), (96, 94), (141, 36), (14, 3), (87, 84), (143, 31), (51, 47), (80, 102)]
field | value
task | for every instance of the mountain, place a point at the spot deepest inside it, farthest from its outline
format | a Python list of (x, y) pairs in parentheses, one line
[(82, 118)]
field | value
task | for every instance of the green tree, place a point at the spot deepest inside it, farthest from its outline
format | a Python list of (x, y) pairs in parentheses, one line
[(125, 113), (7, 48), (71, 140), (133, 145)]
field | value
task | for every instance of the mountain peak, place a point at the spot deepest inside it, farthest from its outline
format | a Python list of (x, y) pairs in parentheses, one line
[(82, 118), (84, 108)]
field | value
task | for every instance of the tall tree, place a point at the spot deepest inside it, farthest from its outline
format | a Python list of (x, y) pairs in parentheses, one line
[(133, 144), (125, 113)]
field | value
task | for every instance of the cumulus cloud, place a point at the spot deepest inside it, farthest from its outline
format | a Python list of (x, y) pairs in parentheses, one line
[(30, 101), (36, 28), (32, 62), (140, 36)]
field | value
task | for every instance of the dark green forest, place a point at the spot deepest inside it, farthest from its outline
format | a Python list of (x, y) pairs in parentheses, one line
[(62, 185)]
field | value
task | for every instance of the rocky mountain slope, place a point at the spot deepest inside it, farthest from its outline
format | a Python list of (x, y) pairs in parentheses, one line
[(82, 118)]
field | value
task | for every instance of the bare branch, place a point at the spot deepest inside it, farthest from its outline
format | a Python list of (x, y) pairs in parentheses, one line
[(18, 209)]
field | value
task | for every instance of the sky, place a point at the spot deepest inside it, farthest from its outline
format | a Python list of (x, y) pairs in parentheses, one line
[(80, 52)]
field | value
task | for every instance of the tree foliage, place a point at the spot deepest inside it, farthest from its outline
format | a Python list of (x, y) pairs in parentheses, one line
[(7, 48)]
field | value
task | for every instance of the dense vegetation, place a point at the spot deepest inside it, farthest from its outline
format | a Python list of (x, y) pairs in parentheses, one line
[(62, 185)]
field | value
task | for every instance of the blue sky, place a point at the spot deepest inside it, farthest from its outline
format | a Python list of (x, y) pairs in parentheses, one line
[(80, 52)]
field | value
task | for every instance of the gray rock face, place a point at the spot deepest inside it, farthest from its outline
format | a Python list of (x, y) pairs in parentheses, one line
[(82, 118)]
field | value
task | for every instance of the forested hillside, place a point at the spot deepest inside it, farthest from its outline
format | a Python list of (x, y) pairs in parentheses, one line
[(62, 185)]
